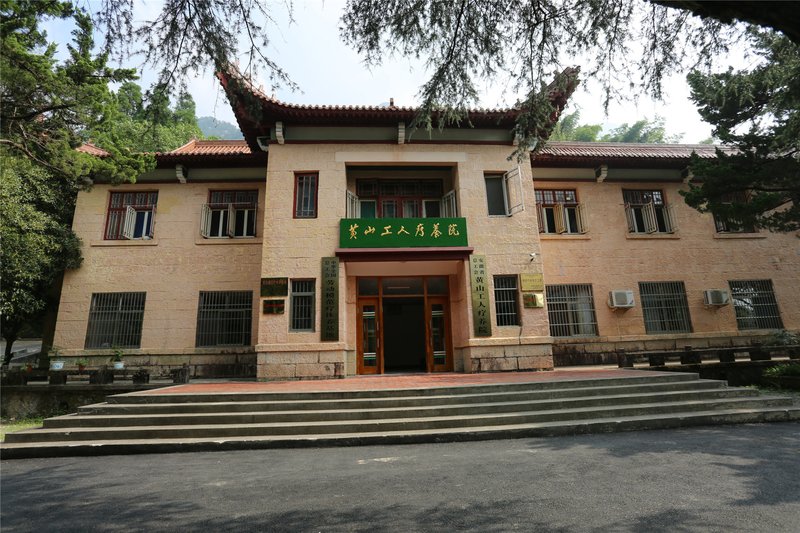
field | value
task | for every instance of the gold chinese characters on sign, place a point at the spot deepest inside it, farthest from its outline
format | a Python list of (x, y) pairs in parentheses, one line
[(481, 317), (531, 282), (330, 299)]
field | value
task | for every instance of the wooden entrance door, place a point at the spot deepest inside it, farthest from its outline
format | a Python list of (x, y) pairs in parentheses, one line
[(437, 324), (369, 345)]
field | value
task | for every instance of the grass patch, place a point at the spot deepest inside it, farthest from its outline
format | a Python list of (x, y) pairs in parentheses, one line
[(772, 391), (790, 370), (10, 425)]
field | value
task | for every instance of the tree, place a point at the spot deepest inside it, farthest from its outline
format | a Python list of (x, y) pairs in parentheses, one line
[(758, 112), (147, 123), (46, 109), (38, 243), (641, 131)]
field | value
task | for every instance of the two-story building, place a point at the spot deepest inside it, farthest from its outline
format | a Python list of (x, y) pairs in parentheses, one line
[(335, 241)]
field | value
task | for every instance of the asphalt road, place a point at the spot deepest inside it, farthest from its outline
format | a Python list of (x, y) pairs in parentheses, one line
[(737, 478)]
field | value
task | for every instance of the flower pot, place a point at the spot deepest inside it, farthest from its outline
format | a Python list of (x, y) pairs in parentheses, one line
[(119, 365), (57, 365)]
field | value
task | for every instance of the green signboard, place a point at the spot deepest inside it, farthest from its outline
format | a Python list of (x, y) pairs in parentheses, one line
[(274, 287), (402, 232), (330, 299), (480, 296)]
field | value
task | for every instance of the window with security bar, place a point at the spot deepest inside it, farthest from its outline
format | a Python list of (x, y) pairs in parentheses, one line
[(647, 212), (729, 223), (570, 309), (385, 198), (302, 298), (305, 195), (224, 318), (559, 212), (115, 320), (506, 301), (755, 304), (229, 214), (131, 215), (665, 307)]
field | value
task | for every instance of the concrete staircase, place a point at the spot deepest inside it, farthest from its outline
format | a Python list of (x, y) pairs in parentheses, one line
[(172, 422)]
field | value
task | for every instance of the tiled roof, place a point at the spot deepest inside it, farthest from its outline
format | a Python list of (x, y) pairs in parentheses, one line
[(254, 123), (89, 148), (592, 150), (210, 148)]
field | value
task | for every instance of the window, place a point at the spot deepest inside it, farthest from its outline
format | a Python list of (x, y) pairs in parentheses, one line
[(115, 320), (302, 318), (400, 199), (224, 318), (729, 224), (506, 304), (131, 215), (305, 195), (229, 214), (647, 212), (559, 212), (570, 309), (504, 193), (755, 304), (665, 308)]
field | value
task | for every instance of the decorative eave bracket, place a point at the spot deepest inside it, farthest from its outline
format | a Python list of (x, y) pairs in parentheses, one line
[(279, 132), (601, 173), (181, 172), (401, 133), (687, 175)]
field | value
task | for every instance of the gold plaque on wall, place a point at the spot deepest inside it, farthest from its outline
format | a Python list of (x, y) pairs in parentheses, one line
[(531, 282)]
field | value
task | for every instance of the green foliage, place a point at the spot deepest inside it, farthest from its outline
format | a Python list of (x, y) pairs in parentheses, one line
[(641, 131), (147, 123), (218, 129), (38, 243), (792, 369), (783, 338), (758, 112), (47, 106)]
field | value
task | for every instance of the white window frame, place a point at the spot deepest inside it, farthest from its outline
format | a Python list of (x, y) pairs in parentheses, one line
[(226, 230)]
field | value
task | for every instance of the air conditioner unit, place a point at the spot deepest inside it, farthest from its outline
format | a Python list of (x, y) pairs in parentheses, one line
[(716, 297), (620, 299)]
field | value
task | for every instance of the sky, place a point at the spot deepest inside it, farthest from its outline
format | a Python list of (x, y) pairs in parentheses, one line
[(329, 72)]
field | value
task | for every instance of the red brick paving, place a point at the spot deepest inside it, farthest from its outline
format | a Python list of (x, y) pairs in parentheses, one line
[(406, 381)]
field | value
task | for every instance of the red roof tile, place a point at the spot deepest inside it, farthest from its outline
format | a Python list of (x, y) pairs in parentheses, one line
[(211, 148), (89, 148), (572, 149)]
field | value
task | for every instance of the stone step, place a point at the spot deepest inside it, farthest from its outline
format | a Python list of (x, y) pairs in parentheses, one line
[(246, 405), (648, 421), (379, 412), (393, 424), (151, 397)]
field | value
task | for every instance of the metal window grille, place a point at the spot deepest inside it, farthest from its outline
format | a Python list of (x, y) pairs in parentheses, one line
[(570, 309), (305, 205), (647, 212), (731, 224), (303, 292), (755, 304), (558, 211), (229, 214), (506, 303), (665, 307), (115, 320), (224, 318), (140, 202)]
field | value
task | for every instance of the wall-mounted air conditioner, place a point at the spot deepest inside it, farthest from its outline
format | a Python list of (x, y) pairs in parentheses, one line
[(716, 297), (620, 299)]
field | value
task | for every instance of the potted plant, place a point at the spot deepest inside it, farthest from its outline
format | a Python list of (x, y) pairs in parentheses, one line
[(56, 363), (82, 363), (116, 359)]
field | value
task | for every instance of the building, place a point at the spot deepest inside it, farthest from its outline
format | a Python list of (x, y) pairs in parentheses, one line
[(334, 241)]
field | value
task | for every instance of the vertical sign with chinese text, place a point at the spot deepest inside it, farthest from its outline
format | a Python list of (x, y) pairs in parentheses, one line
[(330, 299), (481, 317)]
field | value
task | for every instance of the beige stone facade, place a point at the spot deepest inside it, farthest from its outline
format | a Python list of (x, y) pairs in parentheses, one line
[(552, 266)]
